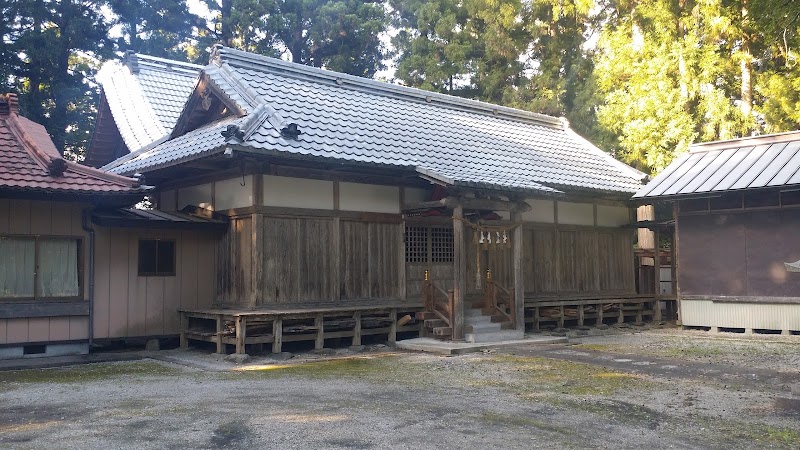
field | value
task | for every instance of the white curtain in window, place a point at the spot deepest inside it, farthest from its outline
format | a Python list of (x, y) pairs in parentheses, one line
[(17, 267), (58, 268)]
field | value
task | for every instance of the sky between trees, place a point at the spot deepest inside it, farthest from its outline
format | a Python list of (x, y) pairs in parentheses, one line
[(643, 79)]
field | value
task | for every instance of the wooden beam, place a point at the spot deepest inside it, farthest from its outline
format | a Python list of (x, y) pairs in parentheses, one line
[(459, 273), (519, 276), (319, 322), (676, 211), (277, 332), (357, 328), (657, 276), (472, 204)]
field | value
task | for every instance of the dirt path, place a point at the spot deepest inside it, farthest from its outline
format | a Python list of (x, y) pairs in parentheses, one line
[(581, 396)]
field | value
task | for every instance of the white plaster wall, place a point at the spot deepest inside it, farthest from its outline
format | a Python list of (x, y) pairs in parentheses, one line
[(167, 202), (541, 211), (369, 198), (612, 216), (200, 195), (298, 192), (229, 194), (417, 195), (575, 213)]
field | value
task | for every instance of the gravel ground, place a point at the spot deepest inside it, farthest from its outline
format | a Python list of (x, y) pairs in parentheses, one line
[(578, 396)]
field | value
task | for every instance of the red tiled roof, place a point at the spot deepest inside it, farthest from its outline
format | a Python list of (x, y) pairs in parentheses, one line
[(30, 161)]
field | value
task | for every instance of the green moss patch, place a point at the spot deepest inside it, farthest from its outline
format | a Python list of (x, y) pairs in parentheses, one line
[(88, 373)]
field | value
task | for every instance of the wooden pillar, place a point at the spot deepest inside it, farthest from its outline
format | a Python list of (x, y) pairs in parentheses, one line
[(459, 273), (257, 259), (220, 345), (657, 276), (241, 333), (519, 281), (319, 322), (673, 265), (393, 325), (184, 329), (676, 242), (277, 333), (357, 328)]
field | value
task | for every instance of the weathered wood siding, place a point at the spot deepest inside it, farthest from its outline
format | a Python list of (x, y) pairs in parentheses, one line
[(564, 260), (739, 254), (31, 217), (309, 259), (129, 305)]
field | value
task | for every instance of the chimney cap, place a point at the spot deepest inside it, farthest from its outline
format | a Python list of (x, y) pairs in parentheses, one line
[(9, 104)]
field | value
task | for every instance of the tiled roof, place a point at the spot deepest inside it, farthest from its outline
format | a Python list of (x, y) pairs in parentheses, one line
[(748, 163), (146, 95), (141, 218), (29, 161), (342, 117)]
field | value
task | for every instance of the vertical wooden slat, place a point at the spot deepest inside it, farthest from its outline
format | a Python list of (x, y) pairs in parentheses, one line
[(219, 325), (120, 270), (137, 291), (336, 255), (102, 284), (257, 258), (277, 332), (319, 323), (459, 273), (519, 280), (657, 268), (357, 328), (241, 333)]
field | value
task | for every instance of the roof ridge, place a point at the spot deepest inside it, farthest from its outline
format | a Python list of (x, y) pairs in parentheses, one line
[(746, 141), (222, 54), (134, 61)]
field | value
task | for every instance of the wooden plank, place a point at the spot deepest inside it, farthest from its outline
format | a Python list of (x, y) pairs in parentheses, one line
[(59, 328), (102, 284), (393, 327), (184, 341), (137, 291), (459, 273), (41, 218), (241, 333), (16, 331), (657, 268), (5, 219), (336, 253), (154, 305), (119, 273), (78, 328), (319, 322), (19, 218), (257, 260), (277, 332), (39, 329), (357, 329), (220, 326), (519, 275), (12, 310)]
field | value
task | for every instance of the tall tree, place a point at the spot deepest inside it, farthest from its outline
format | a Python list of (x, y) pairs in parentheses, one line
[(341, 35), (154, 27), (56, 44)]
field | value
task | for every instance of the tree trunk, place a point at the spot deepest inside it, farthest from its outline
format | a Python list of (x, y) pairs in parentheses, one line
[(746, 65), (226, 29)]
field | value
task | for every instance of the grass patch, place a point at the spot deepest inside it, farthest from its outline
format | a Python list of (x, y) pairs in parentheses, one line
[(541, 376), (88, 373)]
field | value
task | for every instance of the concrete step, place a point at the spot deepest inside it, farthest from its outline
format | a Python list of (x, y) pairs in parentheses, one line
[(497, 336), (471, 312), (487, 327), (477, 319)]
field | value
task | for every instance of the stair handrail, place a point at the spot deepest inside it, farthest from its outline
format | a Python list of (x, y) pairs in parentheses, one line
[(439, 301), (498, 298)]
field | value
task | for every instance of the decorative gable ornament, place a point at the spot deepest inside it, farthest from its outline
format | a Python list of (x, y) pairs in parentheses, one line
[(792, 267)]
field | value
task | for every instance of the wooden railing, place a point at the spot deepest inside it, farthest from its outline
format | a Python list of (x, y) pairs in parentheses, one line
[(439, 302), (499, 299)]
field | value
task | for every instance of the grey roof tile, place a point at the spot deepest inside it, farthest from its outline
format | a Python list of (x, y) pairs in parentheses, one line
[(748, 163), (354, 119), (146, 96)]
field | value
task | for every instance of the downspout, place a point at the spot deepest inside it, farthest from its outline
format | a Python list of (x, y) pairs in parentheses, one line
[(86, 223)]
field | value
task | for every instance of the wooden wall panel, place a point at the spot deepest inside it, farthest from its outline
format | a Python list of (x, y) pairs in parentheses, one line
[(544, 261), (354, 262), (39, 329), (280, 260), (234, 280), (5, 217), (384, 269), (315, 260), (17, 331), (207, 249), (102, 288), (3, 325), (189, 262), (118, 263), (59, 328)]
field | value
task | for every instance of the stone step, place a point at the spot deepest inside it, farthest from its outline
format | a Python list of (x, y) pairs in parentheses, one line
[(487, 327), (471, 312), (497, 336)]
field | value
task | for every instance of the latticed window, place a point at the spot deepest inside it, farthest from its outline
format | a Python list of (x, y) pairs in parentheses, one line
[(416, 244), (422, 241), (441, 245)]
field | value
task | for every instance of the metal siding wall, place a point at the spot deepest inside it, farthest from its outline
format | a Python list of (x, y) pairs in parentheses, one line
[(706, 313)]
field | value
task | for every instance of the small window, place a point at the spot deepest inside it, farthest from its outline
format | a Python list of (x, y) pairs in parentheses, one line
[(422, 241), (39, 267), (156, 258)]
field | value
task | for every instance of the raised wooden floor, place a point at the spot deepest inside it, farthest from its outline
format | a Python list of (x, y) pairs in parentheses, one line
[(313, 322), (592, 309)]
